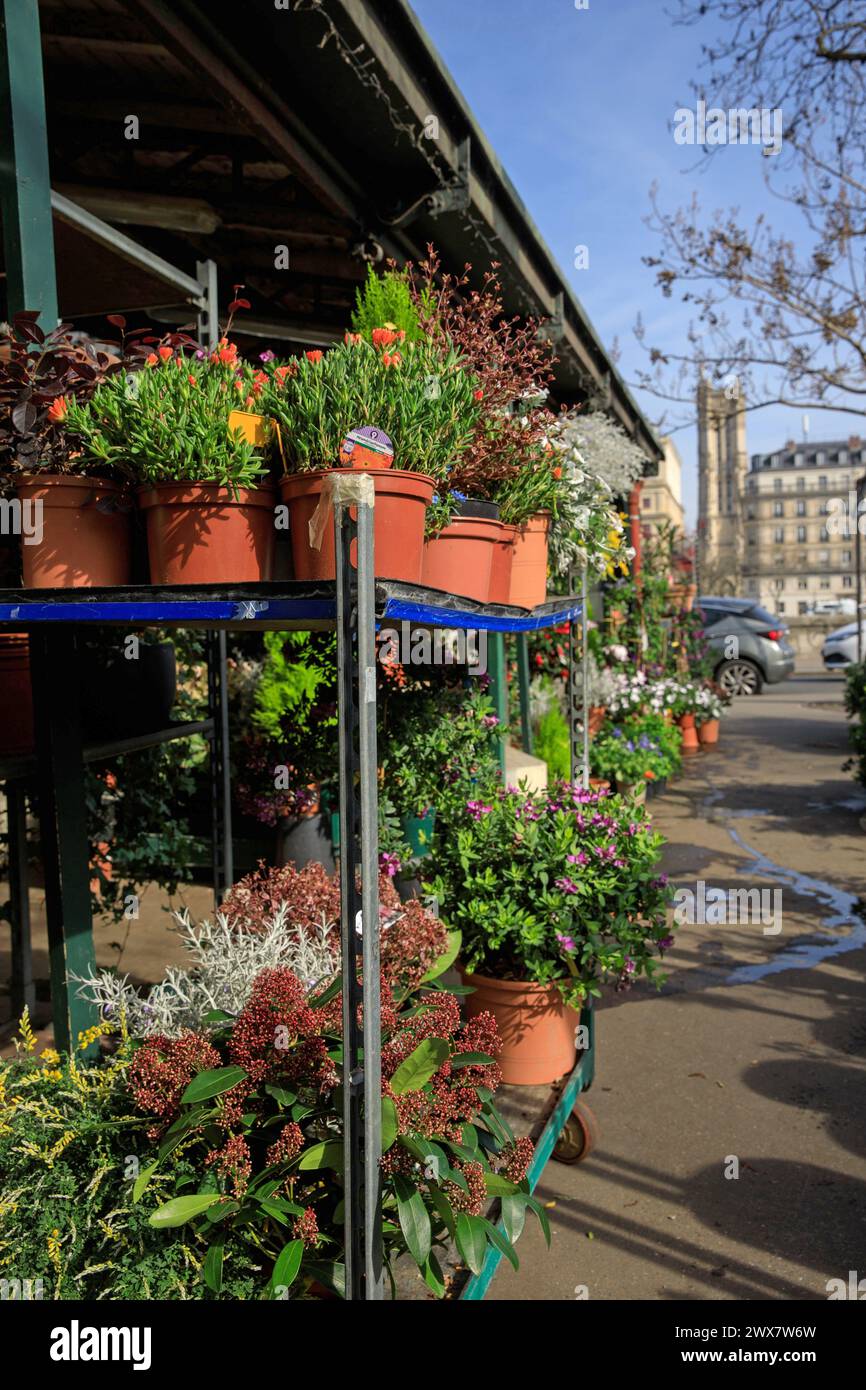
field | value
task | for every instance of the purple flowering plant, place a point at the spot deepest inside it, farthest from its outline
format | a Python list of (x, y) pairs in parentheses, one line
[(553, 887)]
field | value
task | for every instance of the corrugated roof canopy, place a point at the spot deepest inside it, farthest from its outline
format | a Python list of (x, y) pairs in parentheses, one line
[(229, 132)]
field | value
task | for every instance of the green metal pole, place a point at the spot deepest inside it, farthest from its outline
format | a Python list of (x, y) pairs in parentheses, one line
[(25, 181), (498, 686), (63, 827), (523, 684)]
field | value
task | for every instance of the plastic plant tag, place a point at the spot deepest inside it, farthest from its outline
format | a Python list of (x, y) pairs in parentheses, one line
[(366, 447), (256, 429), (344, 490)]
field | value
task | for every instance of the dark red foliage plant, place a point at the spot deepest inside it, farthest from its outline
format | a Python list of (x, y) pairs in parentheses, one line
[(511, 361)]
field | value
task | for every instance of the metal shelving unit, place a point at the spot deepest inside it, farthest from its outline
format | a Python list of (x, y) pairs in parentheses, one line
[(355, 606)]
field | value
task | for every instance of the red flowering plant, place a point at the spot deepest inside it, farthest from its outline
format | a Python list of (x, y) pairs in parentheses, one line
[(255, 1107), (419, 396), (165, 418)]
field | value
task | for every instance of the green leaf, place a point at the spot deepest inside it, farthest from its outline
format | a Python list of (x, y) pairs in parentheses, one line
[(334, 988), (433, 1276), (414, 1219), (212, 1083), (287, 1265), (182, 1209), (489, 1111), (218, 1016), (447, 959), (213, 1265), (471, 1240), (143, 1179), (328, 1154), (499, 1240), (498, 1186), (514, 1216), (389, 1123), (280, 1095), (543, 1220), (416, 1069), (443, 1210), (330, 1273), (468, 1059)]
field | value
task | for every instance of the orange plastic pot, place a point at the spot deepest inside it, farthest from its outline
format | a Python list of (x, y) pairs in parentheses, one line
[(85, 541), (201, 533), (402, 499), (537, 1029), (500, 569), (597, 716), (16, 695), (460, 559), (690, 744), (529, 565), (708, 732)]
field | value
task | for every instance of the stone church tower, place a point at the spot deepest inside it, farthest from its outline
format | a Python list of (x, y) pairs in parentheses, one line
[(722, 467)]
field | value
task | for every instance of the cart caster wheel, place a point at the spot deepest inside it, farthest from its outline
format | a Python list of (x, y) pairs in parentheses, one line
[(578, 1138)]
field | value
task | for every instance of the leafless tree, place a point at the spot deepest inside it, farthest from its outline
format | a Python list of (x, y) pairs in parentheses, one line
[(782, 311)]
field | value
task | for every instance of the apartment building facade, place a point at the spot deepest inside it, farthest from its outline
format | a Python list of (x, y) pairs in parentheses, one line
[(792, 558), (661, 497)]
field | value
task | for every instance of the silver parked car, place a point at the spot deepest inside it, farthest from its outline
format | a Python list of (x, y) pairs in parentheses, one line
[(749, 644), (840, 647)]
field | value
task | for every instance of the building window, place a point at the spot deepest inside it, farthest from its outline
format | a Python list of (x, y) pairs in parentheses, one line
[(823, 557), (801, 535), (847, 581), (778, 509), (802, 583), (822, 482), (820, 458), (780, 606), (802, 606), (779, 535), (846, 557), (777, 484), (801, 484), (823, 583), (801, 508)]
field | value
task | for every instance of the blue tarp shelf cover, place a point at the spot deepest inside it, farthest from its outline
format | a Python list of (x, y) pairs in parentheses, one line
[(278, 605)]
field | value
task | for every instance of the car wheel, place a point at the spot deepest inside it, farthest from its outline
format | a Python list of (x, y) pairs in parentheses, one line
[(739, 677)]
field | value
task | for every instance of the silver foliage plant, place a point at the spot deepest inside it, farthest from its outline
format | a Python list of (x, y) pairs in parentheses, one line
[(224, 963), (599, 464)]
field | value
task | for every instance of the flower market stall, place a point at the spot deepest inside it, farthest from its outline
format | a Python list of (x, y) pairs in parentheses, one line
[(308, 1103)]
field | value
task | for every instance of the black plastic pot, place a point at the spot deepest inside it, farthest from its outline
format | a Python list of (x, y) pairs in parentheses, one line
[(127, 697), (305, 840), (476, 506)]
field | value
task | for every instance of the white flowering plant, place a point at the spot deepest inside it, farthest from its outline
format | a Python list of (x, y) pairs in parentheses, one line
[(586, 528)]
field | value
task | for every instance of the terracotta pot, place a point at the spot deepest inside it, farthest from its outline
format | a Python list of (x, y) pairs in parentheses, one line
[(635, 790), (85, 533), (708, 732), (536, 1027), (201, 533), (16, 695), (597, 714), (500, 568), (690, 744), (460, 559), (600, 784), (402, 499), (529, 565)]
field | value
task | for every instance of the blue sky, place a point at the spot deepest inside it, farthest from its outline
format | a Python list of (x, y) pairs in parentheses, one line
[(578, 105)]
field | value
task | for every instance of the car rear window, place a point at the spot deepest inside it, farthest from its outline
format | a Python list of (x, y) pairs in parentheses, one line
[(760, 615)]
